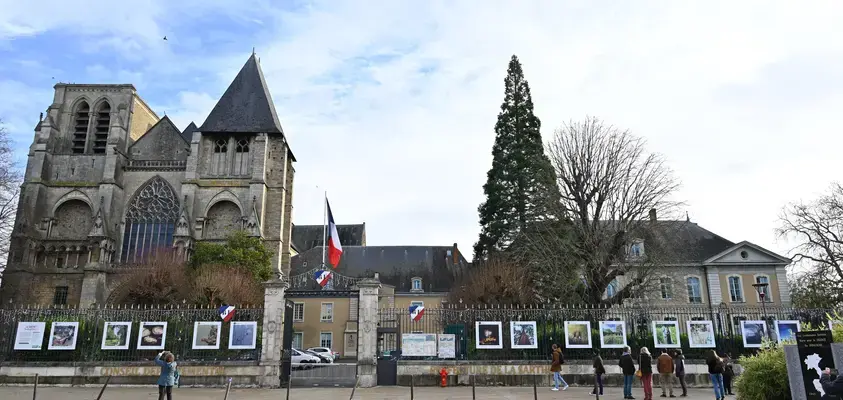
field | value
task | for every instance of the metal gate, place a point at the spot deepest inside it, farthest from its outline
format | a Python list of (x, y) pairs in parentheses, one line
[(287, 344), (389, 352)]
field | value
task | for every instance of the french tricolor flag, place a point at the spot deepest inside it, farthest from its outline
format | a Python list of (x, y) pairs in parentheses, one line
[(226, 313), (416, 312), (322, 277), (334, 245)]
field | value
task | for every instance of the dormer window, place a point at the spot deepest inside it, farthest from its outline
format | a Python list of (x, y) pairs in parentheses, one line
[(416, 285), (636, 249)]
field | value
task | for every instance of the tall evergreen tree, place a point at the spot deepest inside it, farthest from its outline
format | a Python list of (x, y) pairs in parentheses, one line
[(521, 185)]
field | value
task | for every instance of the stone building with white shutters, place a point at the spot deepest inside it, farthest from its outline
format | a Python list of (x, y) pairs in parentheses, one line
[(109, 182)]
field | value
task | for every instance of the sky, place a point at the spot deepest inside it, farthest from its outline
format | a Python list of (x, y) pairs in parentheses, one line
[(390, 106)]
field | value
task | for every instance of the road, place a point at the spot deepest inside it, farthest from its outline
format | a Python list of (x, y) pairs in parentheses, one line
[(381, 393)]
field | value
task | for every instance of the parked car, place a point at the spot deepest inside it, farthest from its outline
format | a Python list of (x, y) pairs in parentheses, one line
[(326, 351), (323, 358), (300, 358)]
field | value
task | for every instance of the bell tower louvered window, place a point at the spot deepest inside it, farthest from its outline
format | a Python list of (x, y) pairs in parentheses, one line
[(101, 128), (81, 118), (241, 158)]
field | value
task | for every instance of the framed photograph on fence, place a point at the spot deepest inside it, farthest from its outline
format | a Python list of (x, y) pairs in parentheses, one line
[(578, 334), (666, 335), (206, 335), (753, 333), (834, 322), (612, 334), (243, 335), (63, 336), (152, 336), (115, 335), (30, 335), (786, 331), (701, 335), (488, 334), (523, 335)]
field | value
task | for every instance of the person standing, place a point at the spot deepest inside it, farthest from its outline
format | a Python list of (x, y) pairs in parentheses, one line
[(167, 378), (628, 369), (556, 368), (679, 362), (645, 365), (715, 370), (666, 368), (599, 370), (728, 374)]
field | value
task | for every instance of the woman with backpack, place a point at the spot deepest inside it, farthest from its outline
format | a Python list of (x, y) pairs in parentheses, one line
[(169, 376), (715, 369)]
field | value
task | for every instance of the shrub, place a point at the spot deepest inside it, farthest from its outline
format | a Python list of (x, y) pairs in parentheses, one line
[(764, 375), (223, 284), (241, 251)]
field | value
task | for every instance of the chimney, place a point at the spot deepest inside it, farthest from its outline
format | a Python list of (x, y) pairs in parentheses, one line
[(653, 216), (454, 254)]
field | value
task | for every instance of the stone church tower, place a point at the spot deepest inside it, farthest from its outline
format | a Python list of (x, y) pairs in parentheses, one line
[(108, 182)]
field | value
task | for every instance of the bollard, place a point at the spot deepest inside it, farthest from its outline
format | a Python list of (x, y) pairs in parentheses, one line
[(228, 389), (535, 390), (35, 388), (473, 396), (354, 388), (103, 387), (412, 386)]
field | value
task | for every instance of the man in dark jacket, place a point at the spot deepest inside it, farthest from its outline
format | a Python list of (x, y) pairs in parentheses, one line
[(832, 385), (679, 361), (627, 365)]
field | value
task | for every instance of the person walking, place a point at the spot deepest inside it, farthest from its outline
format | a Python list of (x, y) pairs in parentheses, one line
[(679, 362), (627, 365), (645, 365), (556, 368), (728, 374), (666, 368), (599, 370), (169, 374), (715, 370)]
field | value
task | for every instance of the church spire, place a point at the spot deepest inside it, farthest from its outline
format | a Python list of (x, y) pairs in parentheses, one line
[(246, 106)]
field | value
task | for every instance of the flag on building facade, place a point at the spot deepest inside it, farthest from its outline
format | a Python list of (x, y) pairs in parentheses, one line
[(226, 313), (334, 245), (322, 277), (416, 312)]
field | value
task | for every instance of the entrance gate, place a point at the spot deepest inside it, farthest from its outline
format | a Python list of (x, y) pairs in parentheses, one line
[(389, 352), (287, 344)]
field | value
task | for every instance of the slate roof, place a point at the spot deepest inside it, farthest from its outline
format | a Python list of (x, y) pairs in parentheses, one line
[(246, 106), (306, 237), (690, 242), (438, 266), (165, 126), (187, 134)]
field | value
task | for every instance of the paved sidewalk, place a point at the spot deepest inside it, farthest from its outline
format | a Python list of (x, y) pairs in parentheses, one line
[(381, 393)]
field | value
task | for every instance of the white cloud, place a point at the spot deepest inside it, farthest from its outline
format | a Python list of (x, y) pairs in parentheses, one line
[(390, 106)]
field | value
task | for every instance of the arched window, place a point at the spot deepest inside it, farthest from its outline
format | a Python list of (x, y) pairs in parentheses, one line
[(82, 117), (150, 220), (694, 289), (101, 128), (241, 158), (612, 289), (218, 161)]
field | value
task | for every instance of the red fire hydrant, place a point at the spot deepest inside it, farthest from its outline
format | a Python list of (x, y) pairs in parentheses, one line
[(443, 374)]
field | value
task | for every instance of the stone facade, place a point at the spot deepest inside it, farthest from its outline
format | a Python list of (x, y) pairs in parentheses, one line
[(108, 182)]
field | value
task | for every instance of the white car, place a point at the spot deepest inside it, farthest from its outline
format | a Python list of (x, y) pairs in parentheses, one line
[(303, 358), (325, 351)]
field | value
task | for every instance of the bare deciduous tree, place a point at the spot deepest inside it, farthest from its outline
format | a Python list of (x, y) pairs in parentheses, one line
[(817, 229), (10, 181), (493, 281), (611, 187)]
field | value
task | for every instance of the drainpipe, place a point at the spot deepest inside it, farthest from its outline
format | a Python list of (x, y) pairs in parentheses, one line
[(708, 295)]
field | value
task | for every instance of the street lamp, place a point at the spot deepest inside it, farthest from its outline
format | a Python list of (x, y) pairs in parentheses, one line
[(761, 288)]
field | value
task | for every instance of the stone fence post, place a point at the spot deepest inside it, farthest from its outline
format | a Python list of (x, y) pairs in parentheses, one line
[(272, 344), (367, 357)]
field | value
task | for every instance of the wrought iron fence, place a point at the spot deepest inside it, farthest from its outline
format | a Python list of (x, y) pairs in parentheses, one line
[(89, 337), (550, 328)]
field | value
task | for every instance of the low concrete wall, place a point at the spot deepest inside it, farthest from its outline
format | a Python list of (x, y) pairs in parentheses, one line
[(525, 373), (242, 374)]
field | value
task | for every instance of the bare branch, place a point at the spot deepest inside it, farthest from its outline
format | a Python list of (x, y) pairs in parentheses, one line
[(10, 181)]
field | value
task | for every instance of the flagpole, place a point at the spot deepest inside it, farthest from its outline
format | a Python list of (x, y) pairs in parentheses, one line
[(324, 228)]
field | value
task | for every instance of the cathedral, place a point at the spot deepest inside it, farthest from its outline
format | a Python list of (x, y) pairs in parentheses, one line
[(108, 181)]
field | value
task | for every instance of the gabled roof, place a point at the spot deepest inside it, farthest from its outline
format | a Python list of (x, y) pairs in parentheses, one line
[(164, 126), (720, 258), (187, 134), (246, 106)]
